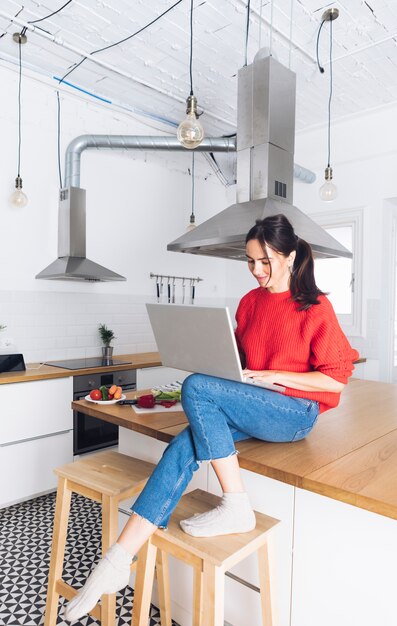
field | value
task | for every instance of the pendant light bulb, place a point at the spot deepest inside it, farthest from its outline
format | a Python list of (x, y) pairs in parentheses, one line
[(328, 191), (18, 199), (192, 223), (190, 132)]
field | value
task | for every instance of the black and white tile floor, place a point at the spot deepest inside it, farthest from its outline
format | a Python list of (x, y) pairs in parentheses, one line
[(25, 540)]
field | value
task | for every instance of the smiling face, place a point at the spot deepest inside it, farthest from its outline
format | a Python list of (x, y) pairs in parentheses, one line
[(271, 269)]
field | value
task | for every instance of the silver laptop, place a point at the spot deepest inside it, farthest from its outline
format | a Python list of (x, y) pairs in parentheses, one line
[(199, 339)]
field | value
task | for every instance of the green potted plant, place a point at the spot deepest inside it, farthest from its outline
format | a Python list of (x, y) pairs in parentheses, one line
[(107, 337)]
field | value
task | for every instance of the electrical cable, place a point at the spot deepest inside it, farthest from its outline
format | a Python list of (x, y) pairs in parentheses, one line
[(59, 140), (247, 32), (51, 14), (320, 67), (116, 43), (19, 106), (192, 187), (191, 48), (330, 94)]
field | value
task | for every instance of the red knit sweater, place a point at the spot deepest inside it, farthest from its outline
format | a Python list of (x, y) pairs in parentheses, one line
[(274, 335)]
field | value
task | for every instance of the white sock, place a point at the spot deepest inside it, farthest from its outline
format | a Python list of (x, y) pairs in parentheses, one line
[(234, 514), (110, 575)]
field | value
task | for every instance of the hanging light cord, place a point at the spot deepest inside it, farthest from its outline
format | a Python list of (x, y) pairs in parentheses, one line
[(51, 14), (41, 19), (320, 67), (116, 43), (247, 29), (193, 186), (19, 106), (59, 141), (191, 48), (330, 94)]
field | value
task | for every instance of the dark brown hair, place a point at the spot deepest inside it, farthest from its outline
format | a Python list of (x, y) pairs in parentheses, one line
[(276, 231)]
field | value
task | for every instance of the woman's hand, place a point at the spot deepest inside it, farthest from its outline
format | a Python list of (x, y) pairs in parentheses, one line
[(303, 381), (265, 376)]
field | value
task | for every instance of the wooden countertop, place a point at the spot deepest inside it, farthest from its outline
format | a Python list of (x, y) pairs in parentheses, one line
[(41, 372), (350, 456)]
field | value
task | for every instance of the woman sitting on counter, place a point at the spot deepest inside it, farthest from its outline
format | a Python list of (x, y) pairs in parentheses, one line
[(287, 334)]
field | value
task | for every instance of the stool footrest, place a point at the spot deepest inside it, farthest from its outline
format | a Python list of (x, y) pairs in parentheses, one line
[(68, 592)]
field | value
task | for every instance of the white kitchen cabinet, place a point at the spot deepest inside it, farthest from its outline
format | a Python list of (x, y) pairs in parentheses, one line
[(26, 468), (242, 605), (344, 564), (36, 425), (35, 408)]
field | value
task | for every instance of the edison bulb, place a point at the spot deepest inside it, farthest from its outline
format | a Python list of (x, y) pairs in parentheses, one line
[(328, 191), (190, 132), (18, 199)]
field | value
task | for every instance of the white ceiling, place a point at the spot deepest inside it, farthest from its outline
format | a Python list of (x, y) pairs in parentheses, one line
[(150, 73)]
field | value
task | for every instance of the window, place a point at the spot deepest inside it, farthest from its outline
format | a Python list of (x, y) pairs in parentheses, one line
[(341, 277)]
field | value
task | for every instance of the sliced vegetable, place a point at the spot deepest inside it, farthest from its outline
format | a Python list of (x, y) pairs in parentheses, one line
[(167, 403), (167, 395)]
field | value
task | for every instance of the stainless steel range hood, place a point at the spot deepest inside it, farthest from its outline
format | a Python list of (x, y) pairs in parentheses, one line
[(72, 263), (265, 169)]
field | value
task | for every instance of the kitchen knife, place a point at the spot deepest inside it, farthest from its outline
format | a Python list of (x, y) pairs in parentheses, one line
[(158, 288)]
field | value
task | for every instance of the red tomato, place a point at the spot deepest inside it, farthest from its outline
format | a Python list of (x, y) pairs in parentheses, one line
[(110, 396), (96, 394)]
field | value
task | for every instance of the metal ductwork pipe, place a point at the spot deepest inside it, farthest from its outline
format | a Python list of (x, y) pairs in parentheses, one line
[(133, 142), (143, 142)]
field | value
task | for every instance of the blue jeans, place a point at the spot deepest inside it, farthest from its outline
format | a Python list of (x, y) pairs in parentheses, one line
[(220, 412)]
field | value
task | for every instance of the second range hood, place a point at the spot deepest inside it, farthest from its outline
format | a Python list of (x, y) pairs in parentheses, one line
[(72, 263), (265, 166)]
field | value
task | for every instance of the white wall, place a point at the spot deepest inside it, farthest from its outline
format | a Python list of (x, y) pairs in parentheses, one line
[(364, 159), (136, 203)]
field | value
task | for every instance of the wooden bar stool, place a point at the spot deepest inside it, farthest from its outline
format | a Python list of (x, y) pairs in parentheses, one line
[(107, 477), (210, 558)]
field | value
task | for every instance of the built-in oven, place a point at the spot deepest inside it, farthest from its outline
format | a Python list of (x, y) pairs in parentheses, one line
[(91, 433)]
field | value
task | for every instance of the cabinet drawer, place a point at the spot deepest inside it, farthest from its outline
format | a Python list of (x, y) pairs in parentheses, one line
[(29, 466), (35, 408)]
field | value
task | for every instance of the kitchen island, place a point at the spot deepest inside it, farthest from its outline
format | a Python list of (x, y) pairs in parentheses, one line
[(335, 563)]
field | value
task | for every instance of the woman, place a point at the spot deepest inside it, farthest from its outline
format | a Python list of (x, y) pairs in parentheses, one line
[(287, 334)]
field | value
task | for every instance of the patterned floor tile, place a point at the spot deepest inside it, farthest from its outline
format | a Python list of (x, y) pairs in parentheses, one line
[(25, 540)]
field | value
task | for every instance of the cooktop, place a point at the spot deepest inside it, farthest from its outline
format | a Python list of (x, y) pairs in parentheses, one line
[(80, 364)]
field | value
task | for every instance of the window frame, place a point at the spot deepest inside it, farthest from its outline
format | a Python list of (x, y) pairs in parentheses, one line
[(350, 323)]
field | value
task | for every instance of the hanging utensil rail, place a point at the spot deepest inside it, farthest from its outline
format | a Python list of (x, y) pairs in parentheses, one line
[(170, 277)]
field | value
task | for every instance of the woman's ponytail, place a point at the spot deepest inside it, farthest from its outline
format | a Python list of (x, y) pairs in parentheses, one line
[(302, 284)]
